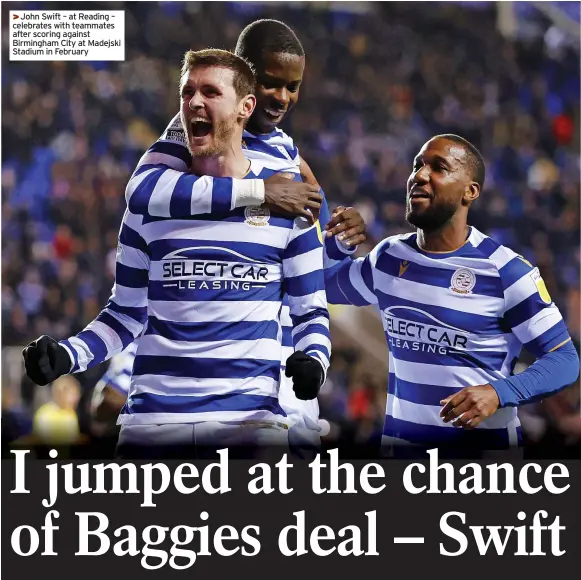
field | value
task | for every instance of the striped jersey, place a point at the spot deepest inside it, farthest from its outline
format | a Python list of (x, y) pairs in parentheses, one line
[(276, 151), (206, 292), (118, 375), (451, 320)]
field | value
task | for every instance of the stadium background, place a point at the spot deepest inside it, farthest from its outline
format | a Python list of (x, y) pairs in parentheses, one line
[(381, 78)]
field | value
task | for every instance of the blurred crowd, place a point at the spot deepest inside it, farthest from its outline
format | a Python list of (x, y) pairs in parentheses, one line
[(377, 86)]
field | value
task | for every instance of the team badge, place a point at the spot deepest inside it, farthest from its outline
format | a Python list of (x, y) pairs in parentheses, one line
[(256, 215), (540, 284), (463, 281)]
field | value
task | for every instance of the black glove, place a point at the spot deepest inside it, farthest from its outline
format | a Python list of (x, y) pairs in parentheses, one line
[(307, 374), (46, 360)]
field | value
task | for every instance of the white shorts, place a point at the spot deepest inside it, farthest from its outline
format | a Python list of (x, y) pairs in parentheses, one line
[(190, 438)]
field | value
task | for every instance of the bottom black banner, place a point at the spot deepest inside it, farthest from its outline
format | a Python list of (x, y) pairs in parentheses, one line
[(279, 518)]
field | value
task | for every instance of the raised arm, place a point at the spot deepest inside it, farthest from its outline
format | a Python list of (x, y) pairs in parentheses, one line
[(115, 328)]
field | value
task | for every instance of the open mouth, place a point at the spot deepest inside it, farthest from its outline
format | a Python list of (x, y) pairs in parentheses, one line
[(200, 127), (274, 114)]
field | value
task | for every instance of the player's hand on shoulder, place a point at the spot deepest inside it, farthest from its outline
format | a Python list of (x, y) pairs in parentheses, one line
[(291, 198), (45, 360), (470, 406), (307, 374), (348, 225)]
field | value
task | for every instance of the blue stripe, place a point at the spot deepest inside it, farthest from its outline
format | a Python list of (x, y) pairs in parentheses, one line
[(439, 277), (287, 336), (139, 201), (205, 368), (476, 323), (222, 195), (487, 360), (262, 147), (124, 334), (129, 237), (513, 271), (205, 331), (303, 243), (487, 247), (181, 292), (138, 313), (319, 349), (432, 436), (347, 288), (525, 310), (311, 329), (75, 355), (172, 149), (316, 313), (305, 284), (158, 249), (96, 345), (153, 403), (332, 248), (418, 393), (180, 204), (131, 277)]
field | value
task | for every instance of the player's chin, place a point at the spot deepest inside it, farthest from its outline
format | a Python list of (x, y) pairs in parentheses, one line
[(200, 146)]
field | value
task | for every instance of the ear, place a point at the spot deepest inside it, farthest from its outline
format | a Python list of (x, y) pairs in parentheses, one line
[(471, 193), (246, 107)]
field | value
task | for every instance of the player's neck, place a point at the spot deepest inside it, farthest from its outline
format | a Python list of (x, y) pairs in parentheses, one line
[(449, 238), (231, 163)]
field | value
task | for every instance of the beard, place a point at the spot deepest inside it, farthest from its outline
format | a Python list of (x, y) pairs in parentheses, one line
[(222, 137), (432, 218)]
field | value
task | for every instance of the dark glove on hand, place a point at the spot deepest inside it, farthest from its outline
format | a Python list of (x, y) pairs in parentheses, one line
[(46, 360), (307, 374)]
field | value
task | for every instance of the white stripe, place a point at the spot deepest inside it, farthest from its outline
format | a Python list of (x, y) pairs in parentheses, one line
[(191, 387), (130, 297), (436, 296), (301, 305), (356, 280), (274, 236), (262, 348), (134, 327), (214, 311), (132, 257), (502, 256), (287, 322), (519, 291), (84, 354), (201, 196), (135, 182), (538, 324), (220, 416), (302, 264), (211, 270), (430, 415), (160, 199), (452, 376), (107, 335)]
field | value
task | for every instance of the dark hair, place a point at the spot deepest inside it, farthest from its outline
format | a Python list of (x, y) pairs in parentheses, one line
[(264, 36), (475, 160), (244, 78)]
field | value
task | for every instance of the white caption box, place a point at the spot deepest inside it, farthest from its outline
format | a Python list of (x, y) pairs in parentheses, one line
[(67, 35)]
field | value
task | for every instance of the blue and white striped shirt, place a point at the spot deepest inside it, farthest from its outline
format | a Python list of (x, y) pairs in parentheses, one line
[(276, 151), (208, 291), (451, 320)]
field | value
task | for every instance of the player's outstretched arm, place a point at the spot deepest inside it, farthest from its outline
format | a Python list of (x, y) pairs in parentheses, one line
[(305, 287), (538, 325), (116, 327), (179, 194)]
